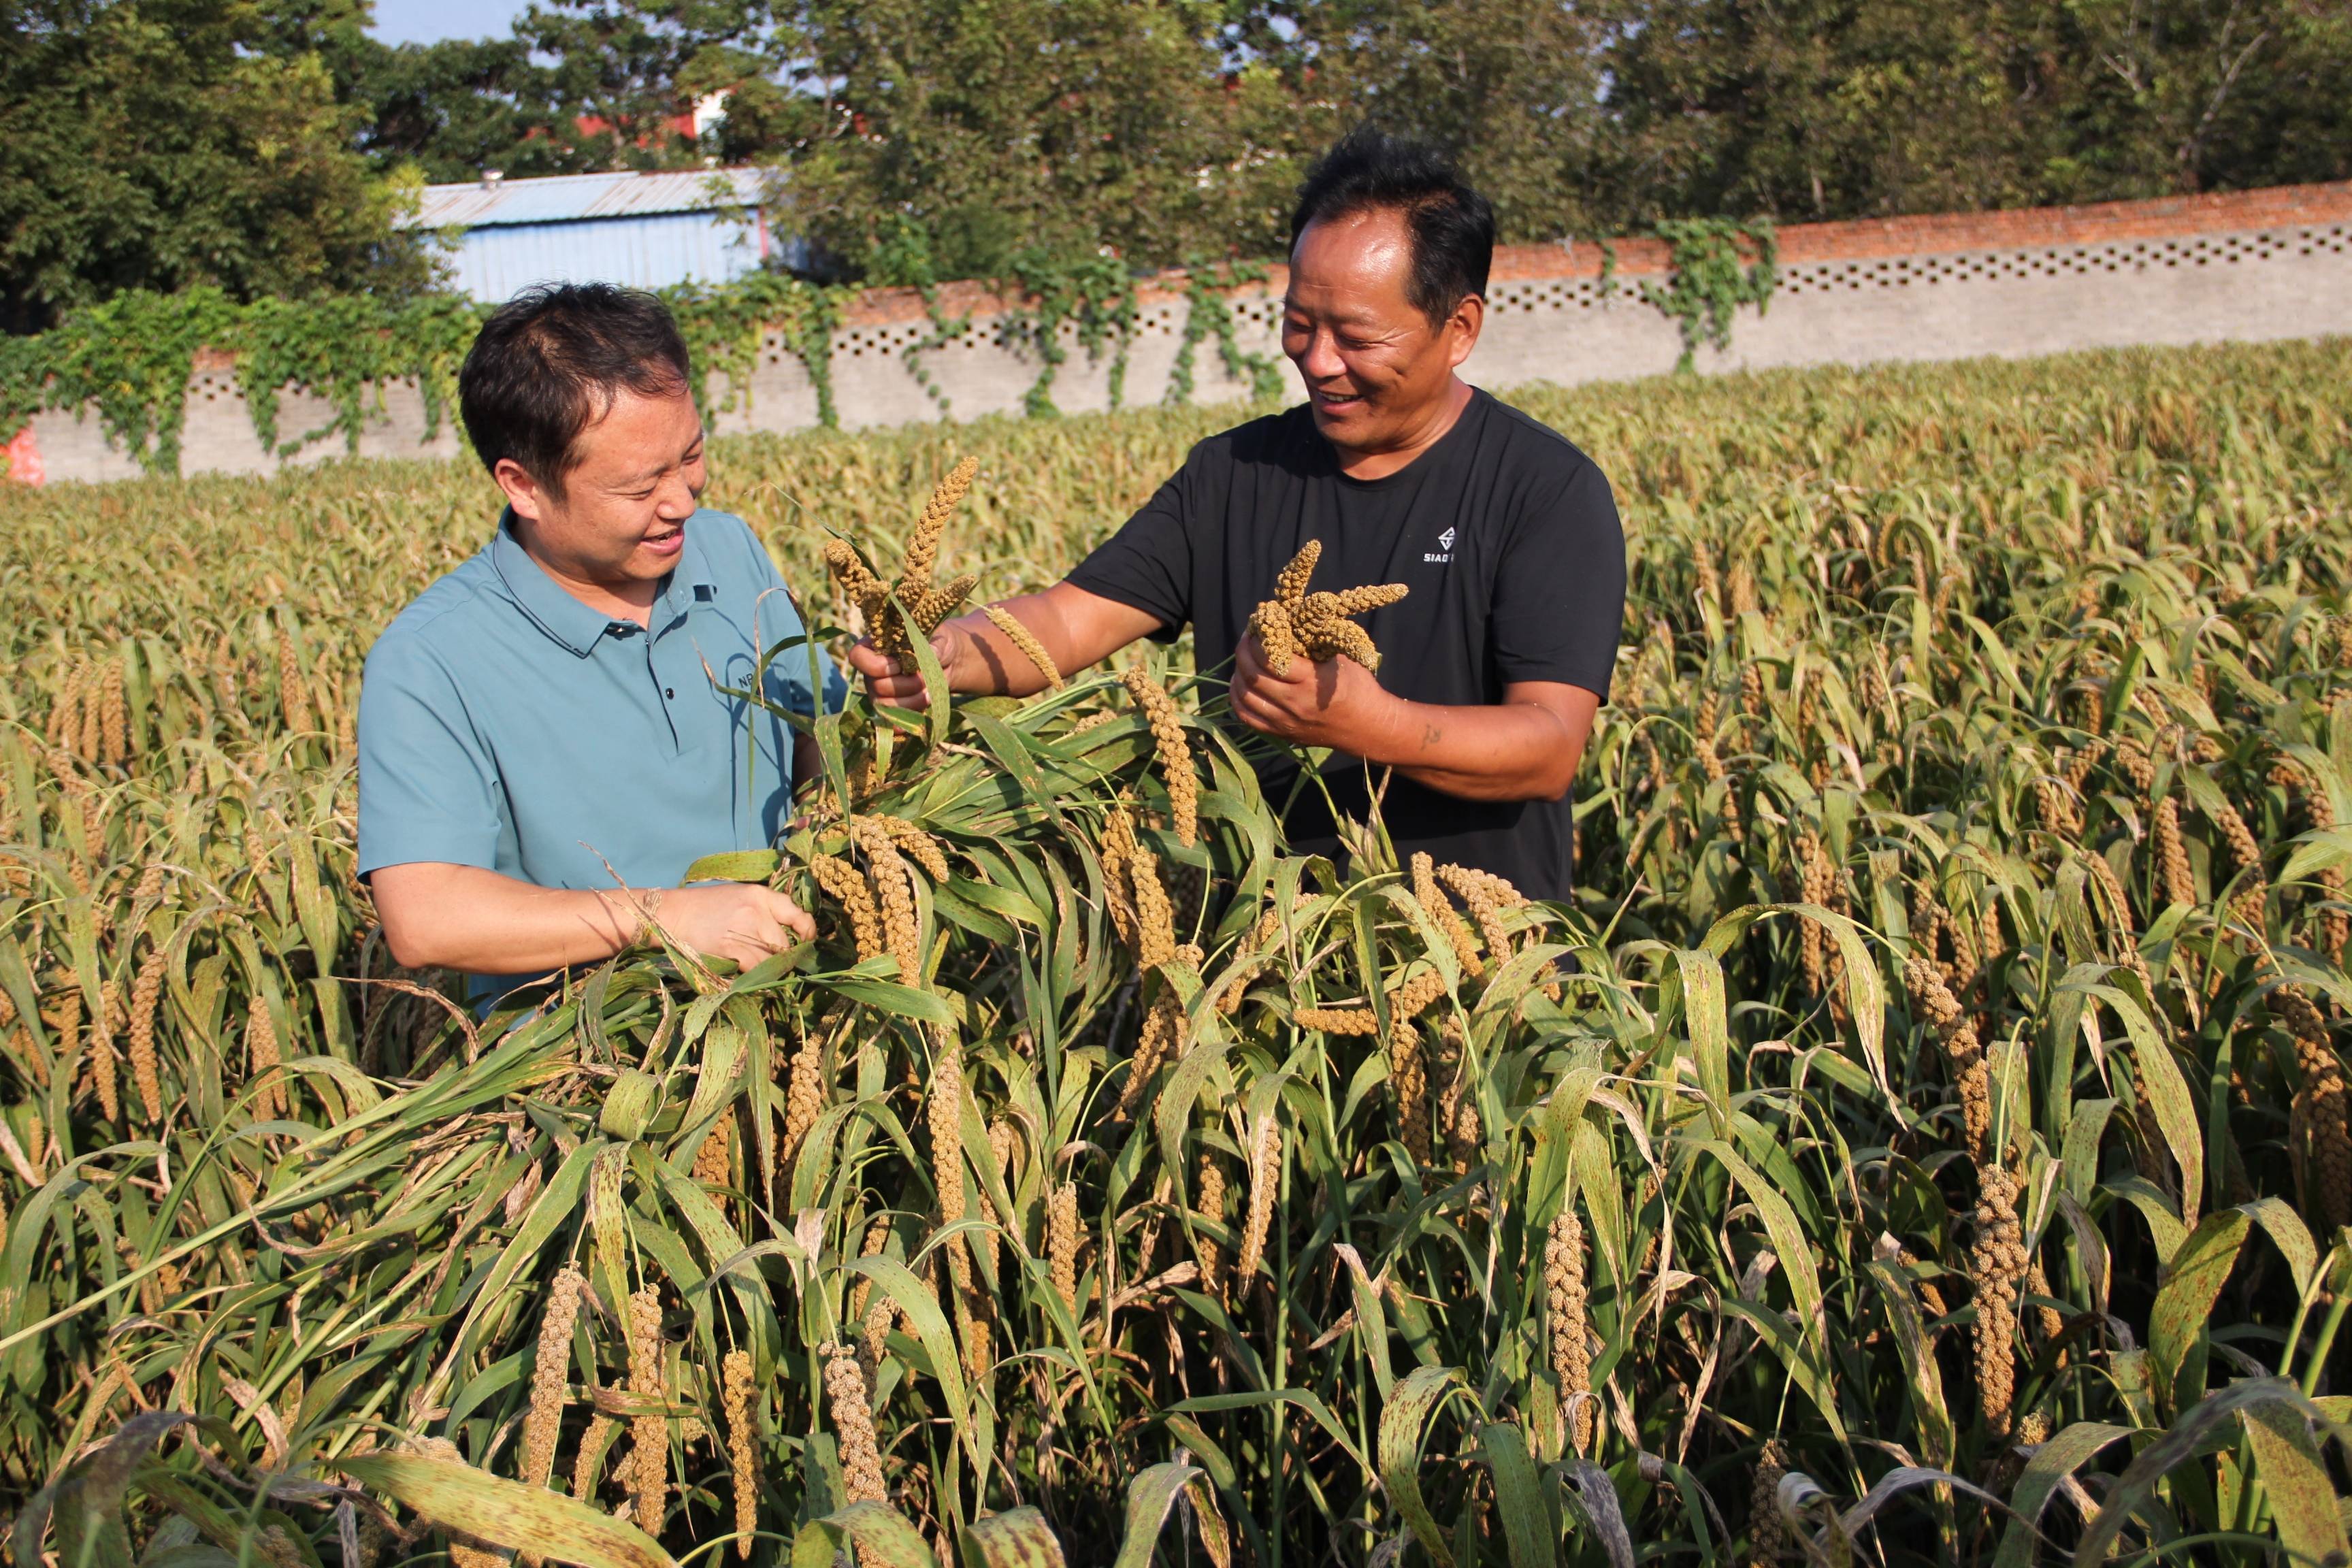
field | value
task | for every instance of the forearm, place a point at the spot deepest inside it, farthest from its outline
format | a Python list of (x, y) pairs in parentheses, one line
[(1509, 750), (461, 917), (1075, 628), (988, 663)]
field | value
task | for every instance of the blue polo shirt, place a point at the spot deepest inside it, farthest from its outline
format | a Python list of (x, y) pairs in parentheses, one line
[(505, 724)]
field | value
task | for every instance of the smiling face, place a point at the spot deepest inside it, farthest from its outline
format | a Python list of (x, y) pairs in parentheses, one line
[(616, 530), (1380, 376)]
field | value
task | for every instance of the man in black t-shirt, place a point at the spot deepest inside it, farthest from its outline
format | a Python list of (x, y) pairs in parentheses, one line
[(1492, 667)]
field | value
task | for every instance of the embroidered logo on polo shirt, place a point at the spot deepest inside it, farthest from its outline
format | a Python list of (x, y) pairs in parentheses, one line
[(1445, 543)]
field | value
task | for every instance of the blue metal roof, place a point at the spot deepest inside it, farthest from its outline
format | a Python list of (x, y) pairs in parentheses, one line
[(492, 263), (569, 198), (647, 231)]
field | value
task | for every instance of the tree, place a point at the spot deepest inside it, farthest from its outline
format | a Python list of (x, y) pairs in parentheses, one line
[(2148, 99), (457, 107), (1816, 108), (628, 70), (925, 139), (953, 136), (1514, 87), (161, 143), (265, 146)]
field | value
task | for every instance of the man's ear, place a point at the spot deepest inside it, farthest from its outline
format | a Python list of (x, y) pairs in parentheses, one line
[(1462, 327), (524, 493)]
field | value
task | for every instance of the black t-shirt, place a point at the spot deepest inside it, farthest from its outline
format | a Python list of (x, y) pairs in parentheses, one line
[(1509, 538)]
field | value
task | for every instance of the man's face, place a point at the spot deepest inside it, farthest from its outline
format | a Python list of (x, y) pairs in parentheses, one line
[(1375, 369), (621, 519)]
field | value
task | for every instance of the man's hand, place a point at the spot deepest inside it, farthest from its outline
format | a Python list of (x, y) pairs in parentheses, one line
[(1337, 703), (898, 683), (1526, 747), (742, 920)]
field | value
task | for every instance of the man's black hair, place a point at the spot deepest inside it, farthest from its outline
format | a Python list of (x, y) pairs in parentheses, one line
[(551, 362), (1451, 224)]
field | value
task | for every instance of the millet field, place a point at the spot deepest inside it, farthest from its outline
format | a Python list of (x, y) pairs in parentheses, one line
[(1923, 1139)]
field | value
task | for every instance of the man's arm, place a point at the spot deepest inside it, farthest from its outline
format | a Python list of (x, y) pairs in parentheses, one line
[(1076, 628), (808, 764), (1526, 747), (440, 916)]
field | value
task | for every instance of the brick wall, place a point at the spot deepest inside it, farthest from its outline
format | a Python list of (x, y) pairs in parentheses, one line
[(2249, 265)]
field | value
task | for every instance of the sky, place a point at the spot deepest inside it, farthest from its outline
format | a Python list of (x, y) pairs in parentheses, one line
[(424, 21)]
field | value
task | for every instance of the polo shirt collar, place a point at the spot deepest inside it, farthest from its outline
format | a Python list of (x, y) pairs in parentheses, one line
[(577, 627), (691, 581)]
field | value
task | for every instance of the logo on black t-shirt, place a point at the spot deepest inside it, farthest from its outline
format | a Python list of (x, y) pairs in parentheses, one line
[(1444, 543)]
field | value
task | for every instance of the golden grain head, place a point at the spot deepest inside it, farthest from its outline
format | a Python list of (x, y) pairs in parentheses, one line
[(853, 1422), (550, 1372), (1062, 1243), (742, 1446), (1276, 635), (1021, 638), (1290, 586)]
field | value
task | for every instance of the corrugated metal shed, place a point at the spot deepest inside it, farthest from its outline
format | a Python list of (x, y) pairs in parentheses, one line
[(647, 231), (562, 198)]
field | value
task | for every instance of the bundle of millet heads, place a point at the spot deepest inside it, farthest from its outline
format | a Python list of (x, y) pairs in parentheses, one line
[(1296, 622), (924, 605)]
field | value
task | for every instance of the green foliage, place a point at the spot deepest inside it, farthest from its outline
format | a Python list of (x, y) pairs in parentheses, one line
[(723, 325), (262, 147), (1208, 313), (1514, 87), (1046, 128), (166, 145), (1718, 265), (453, 109), (341, 348), (619, 73), (1093, 294), (945, 330), (1846, 734), (902, 254), (577, 88), (131, 357), (1165, 131), (1836, 108)]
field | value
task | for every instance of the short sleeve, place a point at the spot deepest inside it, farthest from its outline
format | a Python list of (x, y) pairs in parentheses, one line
[(1559, 589), (429, 787), (1148, 563)]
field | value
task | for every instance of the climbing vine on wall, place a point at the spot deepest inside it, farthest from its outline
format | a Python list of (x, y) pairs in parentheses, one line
[(130, 359), (343, 350), (725, 326), (1209, 312), (1718, 265), (1096, 294), (945, 330)]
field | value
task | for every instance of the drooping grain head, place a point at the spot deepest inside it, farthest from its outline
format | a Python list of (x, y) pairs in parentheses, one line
[(550, 1372)]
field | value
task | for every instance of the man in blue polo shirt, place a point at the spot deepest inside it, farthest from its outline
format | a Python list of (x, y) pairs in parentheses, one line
[(544, 743)]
